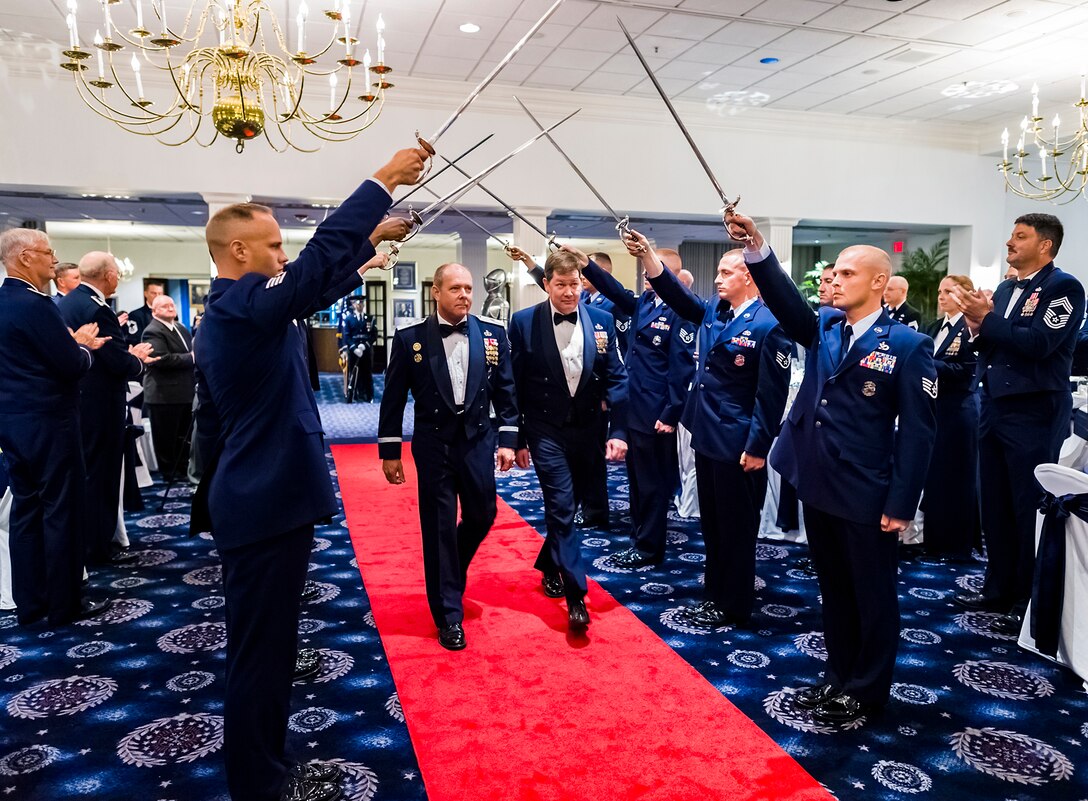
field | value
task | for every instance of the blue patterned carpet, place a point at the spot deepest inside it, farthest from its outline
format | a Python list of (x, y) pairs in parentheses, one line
[(129, 705), (972, 717), (353, 422)]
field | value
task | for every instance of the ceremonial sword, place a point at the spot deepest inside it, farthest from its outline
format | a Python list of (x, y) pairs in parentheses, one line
[(623, 227), (439, 206), (431, 178), (730, 205), (428, 144)]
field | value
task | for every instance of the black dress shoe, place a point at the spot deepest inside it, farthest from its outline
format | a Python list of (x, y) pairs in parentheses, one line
[(306, 790), (452, 637), (577, 615), (632, 559), (123, 556), (307, 664), (593, 522), (814, 695), (89, 609), (710, 615), (841, 709), (1008, 625), (977, 602), (553, 585), (317, 772), (310, 591)]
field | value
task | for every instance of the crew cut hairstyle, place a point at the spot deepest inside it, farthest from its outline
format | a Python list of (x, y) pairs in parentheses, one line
[(1047, 226), (221, 220), (561, 262)]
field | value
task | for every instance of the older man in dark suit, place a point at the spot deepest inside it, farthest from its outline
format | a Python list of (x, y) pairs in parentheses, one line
[(40, 371), (457, 366), (102, 397), (169, 385), (566, 367), (267, 483)]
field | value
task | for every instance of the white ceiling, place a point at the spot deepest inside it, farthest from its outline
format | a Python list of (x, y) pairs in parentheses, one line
[(882, 58)]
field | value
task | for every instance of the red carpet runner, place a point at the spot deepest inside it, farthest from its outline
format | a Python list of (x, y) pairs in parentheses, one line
[(528, 712)]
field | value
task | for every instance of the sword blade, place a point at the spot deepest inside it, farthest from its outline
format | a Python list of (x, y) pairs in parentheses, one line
[(450, 164), (440, 205), (510, 209), (491, 75), (474, 222), (570, 161), (675, 116)]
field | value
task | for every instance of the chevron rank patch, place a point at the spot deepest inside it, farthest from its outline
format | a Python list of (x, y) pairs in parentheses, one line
[(783, 360), (929, 386), (881, 362), (275, 280), (687, 336), (623, 325), (1057, 314)]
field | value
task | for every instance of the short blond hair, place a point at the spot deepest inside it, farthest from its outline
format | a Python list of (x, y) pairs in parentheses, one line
[(220, 226)]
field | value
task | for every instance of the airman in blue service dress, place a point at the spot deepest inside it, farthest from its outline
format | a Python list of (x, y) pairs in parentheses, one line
[(453, 445), (839, 448), (950, 499), (734, 408), (1025, 346), (557, 425), (267, 482), (660, 366), (102, 411), (40, 372)]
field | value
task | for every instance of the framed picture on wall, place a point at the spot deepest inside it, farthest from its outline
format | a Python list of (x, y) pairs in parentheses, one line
[(404, 275), (404, 311), (198, 292)]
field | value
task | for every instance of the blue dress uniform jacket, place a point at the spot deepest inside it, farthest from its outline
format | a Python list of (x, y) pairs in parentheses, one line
[(739, 393), (453, 446), (40, 370), (102, 413), (660, 354), (1032, 349), (559, 429), (417, 363), (270, 475), (950, 500), (546, 404), (839, 446), (623, 321)]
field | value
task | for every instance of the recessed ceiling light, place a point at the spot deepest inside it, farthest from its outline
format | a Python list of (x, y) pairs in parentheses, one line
[(470, 27), (768, 60), (737, 98), (976, 89)]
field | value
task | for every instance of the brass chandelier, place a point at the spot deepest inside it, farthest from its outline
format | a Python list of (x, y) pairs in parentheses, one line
[(1061, 159), (218, 64)]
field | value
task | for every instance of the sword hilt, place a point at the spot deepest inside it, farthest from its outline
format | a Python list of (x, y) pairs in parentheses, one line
[(423, 143), (729, 208), (394, 256), (551, 241), (623, 227)]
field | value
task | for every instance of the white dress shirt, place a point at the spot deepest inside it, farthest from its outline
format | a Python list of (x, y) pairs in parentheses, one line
[(1016, 293), (946, 328), (569, 340), (456, 347)]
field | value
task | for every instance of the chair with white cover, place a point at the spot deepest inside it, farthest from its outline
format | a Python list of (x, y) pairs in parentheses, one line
[(1072, 649)]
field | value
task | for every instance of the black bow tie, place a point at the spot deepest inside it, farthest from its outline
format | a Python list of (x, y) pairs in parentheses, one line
[(1023, 283), (947, 325), (445, 329), (571, 318), (726, 315)]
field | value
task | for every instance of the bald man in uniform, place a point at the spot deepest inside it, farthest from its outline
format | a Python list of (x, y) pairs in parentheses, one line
[(859, 481), (895, 299), (267, 482)]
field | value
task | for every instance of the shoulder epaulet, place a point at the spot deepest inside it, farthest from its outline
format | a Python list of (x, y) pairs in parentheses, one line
[(412, 324), (37, 291), (489, 320), (99, 301)]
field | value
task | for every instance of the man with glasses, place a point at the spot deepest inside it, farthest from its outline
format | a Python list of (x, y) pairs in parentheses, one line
[(39, 434)]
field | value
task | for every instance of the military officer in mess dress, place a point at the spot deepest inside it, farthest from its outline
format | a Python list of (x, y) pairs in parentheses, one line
[(733, 411), (1025, 340), (457, 366), (858, 480), (566, 366), (40, 369), (660, 365), (267, 481)]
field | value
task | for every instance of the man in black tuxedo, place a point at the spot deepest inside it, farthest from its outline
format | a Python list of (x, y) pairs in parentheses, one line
[(566, 367), (457, 366), (169, 386), (895, 301), (102, 397), (140, 318)]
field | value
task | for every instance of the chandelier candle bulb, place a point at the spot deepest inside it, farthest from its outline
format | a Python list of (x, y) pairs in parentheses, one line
[(139, 15), (73, 39), (162, 14), (332, 92), (381, 39), (301, 20), (1005, 145), (101, 64), (1042, 159), (106, 15), (139, 80), (346, 13), (1035, 101)]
